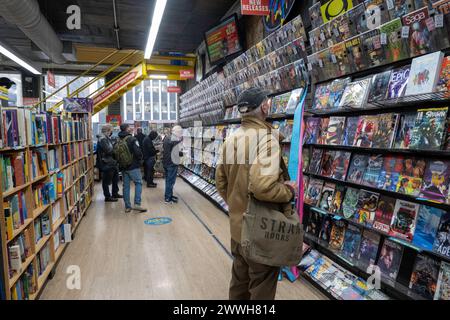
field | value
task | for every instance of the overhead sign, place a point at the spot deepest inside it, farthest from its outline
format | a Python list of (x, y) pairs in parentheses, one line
[(187, 74), (174, 89), (51, 79), (255, 7), (118, 84)]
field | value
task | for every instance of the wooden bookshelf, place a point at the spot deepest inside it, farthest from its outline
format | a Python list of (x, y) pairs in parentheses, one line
[(85, 171)]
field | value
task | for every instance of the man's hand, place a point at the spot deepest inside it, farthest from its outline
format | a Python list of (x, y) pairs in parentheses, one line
[(293, 186)]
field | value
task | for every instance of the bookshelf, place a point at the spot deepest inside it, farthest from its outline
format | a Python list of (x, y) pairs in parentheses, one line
[(55, 197)]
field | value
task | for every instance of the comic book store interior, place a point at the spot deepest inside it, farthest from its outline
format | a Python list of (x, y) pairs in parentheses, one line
[(225, 150)]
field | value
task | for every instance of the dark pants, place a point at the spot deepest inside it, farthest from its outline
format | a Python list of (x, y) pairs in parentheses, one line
[(170, 173), (110, 176), (149, 169), (251, 280)]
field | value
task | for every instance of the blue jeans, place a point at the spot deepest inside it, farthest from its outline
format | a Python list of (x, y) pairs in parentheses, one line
[(170, 173), (135, 176)]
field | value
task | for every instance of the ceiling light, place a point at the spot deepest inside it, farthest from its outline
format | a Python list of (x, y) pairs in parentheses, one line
[(17, 60), (159, 76), (154, 28)]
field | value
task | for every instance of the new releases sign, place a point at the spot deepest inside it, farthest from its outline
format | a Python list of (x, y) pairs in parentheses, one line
[(255, 7), (187, 74), (174, 89)]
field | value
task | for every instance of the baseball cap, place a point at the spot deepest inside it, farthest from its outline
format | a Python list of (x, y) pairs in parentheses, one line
[(251, 99)]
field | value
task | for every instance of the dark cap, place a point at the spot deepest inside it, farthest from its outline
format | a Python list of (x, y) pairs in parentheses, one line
[(251, 99)]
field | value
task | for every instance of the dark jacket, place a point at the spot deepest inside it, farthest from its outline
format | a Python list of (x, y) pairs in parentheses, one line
[(135, 149), (140, 138), (171, 146), (148, 148), (105, 160)]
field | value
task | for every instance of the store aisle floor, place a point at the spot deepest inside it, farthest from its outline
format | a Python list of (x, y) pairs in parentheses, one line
[(122, 258)]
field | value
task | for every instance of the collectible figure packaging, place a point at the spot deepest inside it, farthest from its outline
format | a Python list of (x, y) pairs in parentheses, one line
[(442, 242), (384, 213), (368, 249), (357, 168), (443, 284), (404, 220), (405, 128), (427, 226), (429, 129), (340, 165), (424, 73), (397, 83), (350, 204), (373, 170), (367, 205), (390, 259), (396, 47), (425, 276), (387, 126), (379, 86), (435, 185)]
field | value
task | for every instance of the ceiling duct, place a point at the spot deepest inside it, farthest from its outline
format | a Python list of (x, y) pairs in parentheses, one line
[(27, 16)]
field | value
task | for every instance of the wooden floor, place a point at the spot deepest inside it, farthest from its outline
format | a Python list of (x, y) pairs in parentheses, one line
[(122, 258)]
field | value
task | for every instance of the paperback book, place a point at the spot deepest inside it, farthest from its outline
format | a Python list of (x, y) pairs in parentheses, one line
[(429, 129), (424, 277), (404, 220), (384, 213), (424, 73), (390, 259), (427, 226)]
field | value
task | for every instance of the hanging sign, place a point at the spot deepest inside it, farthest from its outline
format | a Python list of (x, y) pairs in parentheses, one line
[(174, 89), (255, 7), (187, 74), (51, 79)]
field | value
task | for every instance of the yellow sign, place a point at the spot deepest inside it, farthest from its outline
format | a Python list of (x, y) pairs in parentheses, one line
[(3, 93), (335, 8)]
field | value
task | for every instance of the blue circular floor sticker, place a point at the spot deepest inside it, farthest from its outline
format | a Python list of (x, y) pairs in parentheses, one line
[(158, 221)]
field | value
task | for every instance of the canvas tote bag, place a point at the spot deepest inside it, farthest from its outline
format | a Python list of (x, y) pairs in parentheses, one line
[(269, 236)]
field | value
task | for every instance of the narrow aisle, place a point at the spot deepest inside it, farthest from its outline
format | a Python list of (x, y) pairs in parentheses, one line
[(122, 258)]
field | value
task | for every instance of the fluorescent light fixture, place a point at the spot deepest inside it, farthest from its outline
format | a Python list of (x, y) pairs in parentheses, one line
[(17, 60), (154, 28), (158, 76)]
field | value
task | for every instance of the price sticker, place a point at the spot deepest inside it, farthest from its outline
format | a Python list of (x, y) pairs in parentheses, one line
[(333, 58), (336, 32), (322, 36), (439, 20), (309, 66), (405, 32), (390, 4), (320, 63), (383, 39), (430, 24)]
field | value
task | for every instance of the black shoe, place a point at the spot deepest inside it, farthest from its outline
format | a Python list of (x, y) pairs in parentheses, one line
[(167, 201), (174, 199), (111, 200), (118, 196), (151, 185)]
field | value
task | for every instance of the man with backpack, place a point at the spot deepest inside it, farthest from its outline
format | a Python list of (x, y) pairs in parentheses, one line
[(129, 156)]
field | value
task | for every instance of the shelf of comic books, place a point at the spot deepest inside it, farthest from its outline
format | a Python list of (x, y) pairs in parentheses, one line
[(45, 168)]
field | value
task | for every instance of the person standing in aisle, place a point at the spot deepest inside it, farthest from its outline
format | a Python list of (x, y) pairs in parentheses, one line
[(150, 153), (171, 160), (129, 155), (252, 165), (108, 165), (140, 136)]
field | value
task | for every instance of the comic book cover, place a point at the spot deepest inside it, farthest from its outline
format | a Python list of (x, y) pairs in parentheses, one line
[(314, 191), (367, 126), (390, 173), (337, 234), (424, 73), (401, 8), (429, 129), (287, 130), (329, 67), (335, 130), (355, 53), (327, 163), (355, 94), (294, 100), (297, 28), (442, 242), (443, 284), (420, 40), (350, 204), (404, 219), (440, 34), (376, 13), (396, 47), (379, 86), (339, 193), (284, 99), (316, 161), (340, 165), (384, 213), (435, 185), (314, 39), (351, 126), (390, 259), (373, 170), (337, 88), (314, 223), (405, 128), (352, 240), (315, 16), (372, 48), (443, 84), (322, 139), (368, 249), (326, 197), (367, 205), (357, 18), (312, 127), (397, 83), (357, 168), (424, 277), (411, 176), (427, 226), (341, 59), (325, 230), (321, 96), (384, 136), (340, 27)]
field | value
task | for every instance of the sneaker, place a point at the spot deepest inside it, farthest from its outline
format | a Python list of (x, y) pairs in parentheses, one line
[(118, 196), (127, 210), (109, 199), (174, 199), (168, 201), (151, 185), (139, 209)]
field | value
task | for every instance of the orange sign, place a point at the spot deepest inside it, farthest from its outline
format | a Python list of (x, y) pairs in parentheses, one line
[(187, 74), (255, 7)]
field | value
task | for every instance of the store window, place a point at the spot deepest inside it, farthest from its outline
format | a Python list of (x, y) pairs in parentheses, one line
[(150, 101)]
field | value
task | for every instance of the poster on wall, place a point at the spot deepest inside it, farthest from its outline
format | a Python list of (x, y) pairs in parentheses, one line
[(255, 7), (278, 12), (115, 120), (223, 40)]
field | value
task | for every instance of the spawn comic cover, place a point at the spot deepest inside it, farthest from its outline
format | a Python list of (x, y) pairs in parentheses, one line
[(404, 219), (384, 213), (435, 185), (425, 276), (427, 226), (429, 129)]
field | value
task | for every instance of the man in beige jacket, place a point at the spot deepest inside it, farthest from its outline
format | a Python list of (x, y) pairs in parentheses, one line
[(251, 162)]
